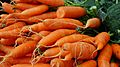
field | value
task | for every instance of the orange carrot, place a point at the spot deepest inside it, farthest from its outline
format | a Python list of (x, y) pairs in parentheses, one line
[(10, 34), (6, 49), (113, 64), (101, 40), (10, 21), (24, 6), (41, 17), (54, 24), (21, 40), (90, 40), (52, 2), (105, 56), (2, 16), (80, 50), (70, 12), (70, 39), (13, 26), (93, 23), (116, 50), (25, 1), (9, 8), (29, 65), (89, 63), (5, 64), (7, 42), (61, 63), (54, 36)]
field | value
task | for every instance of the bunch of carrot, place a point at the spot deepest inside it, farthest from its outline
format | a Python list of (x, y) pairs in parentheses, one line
[(32, 35)]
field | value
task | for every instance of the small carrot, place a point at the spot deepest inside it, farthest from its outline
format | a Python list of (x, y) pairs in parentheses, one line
[(10, 34), (54, 36), (41, 17), (52, 2), (116, 50), (93, 23), (80, 50), (29, 65), (24, 6), (7, 42), (113, 64), (64, 23), (6, 49), (61, 63), (70, 39), (13, 26), (105, 56), (89, 63), (70, 12), (101, 40)]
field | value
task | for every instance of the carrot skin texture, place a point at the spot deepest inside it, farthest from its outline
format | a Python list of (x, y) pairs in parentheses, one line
[(113, 64), (116, 50), (54, 36), (89, 63), (6, 49), (5, 64), (7, 42), (105, 56), (52, 2), (70, 12)]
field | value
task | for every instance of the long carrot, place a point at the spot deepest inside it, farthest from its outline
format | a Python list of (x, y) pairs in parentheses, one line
[(29, 65), (52, 2), (105, 56), (10, 34), (7, 42), (54, 24), (13, 26), (54, 36), (113, 64), (61, 63), (89, 63), (116, 50), (24, 6), (6, 49), (70, 39), (80, 50), (70, 12)]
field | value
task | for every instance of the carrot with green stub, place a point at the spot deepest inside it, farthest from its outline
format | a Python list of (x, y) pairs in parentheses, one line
[(52, 2), (89, 63), (105, 56), (8, 42), (116, 50), (70, 12)]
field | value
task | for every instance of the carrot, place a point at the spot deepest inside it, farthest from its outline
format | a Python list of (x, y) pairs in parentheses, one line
[(41, 17), (101, 40), (13, 26), (5, 64), (70, 39), (113, 64), (21, 40), (9, 8), (54, 36), (26, 1), (2, 16), (93, 23), (105, 56), (70, 12), (61, 63), (54, 24), (90, 40), (80, 50), (89, 63), (10, 34), (52, 2), (24, 6), (10, 21), (116, 50), (6, 49), (29, 65), (7, 42)]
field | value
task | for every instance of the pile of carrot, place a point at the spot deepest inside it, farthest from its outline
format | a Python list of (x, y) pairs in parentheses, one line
[(33, 36)]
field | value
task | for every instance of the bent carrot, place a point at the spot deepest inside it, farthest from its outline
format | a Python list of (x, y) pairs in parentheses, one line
[(6, 49), (52, 2), (89, 63), (116, 50), (13, 26), (80, 50), (105, 56), (54, 36), (70, 12), (29, 65), (113, 64), (7, 42)]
